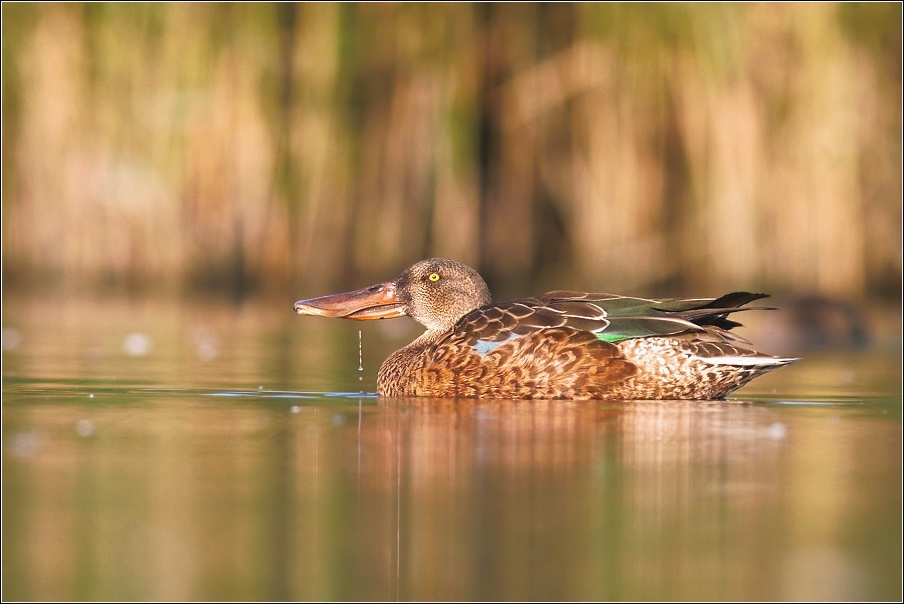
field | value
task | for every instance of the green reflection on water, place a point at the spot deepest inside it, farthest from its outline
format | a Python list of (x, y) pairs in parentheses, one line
[(175, 475)]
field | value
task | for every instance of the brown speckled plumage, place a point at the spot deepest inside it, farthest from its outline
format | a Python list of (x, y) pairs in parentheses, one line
[(551, 346)]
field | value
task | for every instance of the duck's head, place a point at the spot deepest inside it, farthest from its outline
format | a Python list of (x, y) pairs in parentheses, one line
[(435, 293)]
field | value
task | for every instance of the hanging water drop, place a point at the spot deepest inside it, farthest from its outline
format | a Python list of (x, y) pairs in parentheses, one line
[(360, 361)]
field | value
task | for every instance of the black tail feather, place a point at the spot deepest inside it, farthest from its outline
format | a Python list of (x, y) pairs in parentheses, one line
[(716, 313), (734, 300)]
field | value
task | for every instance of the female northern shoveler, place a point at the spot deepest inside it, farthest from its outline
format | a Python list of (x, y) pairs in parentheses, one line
[(562, 344)]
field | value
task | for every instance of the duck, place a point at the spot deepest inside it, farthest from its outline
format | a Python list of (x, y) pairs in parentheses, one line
[(558, 345)]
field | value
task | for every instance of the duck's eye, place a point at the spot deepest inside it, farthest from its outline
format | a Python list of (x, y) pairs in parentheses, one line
[(434, 277)]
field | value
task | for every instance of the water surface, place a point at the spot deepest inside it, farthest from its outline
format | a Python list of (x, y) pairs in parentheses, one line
[(183, 451)]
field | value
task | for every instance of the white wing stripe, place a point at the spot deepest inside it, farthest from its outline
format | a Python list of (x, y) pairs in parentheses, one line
[(751, 361)]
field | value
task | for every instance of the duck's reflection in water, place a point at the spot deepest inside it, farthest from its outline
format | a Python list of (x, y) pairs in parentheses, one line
[(186, 497), (554, 499)]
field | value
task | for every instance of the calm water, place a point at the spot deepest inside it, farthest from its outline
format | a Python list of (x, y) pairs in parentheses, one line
[(182, 451)]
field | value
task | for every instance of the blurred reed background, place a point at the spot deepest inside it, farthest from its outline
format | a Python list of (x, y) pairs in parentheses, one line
[(293, 150)]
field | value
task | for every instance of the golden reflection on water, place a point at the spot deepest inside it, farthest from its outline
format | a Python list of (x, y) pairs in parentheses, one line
[(199, 497)]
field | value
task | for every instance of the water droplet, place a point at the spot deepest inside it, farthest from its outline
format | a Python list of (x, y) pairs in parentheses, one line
[(26, 444), (137, 344), (207, 350), (84, 428), (11, 338), (205, 342), (777, 431), (360, 363)]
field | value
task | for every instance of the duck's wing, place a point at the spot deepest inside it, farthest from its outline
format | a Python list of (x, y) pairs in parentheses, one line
[(629, 317), (513, 350), (609, 317)]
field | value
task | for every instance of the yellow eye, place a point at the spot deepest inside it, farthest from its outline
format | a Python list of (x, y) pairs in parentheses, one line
[(434, 277)]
